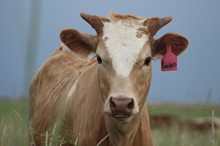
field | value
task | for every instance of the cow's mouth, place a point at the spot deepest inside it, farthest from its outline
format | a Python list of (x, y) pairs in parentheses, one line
[(121, 117)]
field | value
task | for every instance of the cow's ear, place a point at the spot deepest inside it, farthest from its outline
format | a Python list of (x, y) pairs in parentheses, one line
[(81, 43), (178, 42)]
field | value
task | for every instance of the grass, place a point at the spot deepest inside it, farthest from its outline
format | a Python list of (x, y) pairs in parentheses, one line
[(174, 136), (184, 111), (14, 125)]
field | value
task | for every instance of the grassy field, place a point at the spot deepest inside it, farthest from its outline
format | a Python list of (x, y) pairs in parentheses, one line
[(14, 124), (184, 111), (174, 136)]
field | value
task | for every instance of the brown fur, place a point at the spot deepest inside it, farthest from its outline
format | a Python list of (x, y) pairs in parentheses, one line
[(128, 17), (50, 87), (80, 43)]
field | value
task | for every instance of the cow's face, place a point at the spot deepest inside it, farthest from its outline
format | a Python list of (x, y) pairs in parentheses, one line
[(124, 47), (124, 65)]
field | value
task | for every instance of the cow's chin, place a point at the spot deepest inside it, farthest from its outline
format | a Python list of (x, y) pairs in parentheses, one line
[(125, 118)]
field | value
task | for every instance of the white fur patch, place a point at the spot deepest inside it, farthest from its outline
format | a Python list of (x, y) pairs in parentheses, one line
[(71, 91), (123, 45)]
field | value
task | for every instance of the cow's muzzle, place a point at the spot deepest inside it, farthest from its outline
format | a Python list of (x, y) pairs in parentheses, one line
[(121, 107)]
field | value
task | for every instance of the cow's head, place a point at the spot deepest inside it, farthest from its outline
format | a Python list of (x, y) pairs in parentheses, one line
[(124, 46)]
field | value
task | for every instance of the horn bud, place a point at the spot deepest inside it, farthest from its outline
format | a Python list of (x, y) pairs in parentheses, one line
[(165, 21), (155, 23), (95, 21)]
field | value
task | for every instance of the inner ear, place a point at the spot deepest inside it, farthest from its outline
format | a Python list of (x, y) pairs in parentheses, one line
[(178, 42), (81, 43)]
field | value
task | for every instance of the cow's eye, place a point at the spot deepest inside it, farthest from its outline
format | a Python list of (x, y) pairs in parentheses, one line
[(147, 61), (99, 59)]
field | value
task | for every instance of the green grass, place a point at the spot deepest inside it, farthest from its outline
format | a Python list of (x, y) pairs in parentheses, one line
[(184, 111), (174, 136), (7, 107), (14, 124)]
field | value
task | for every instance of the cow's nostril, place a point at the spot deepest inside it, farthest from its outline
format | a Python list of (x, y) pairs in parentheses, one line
[(112, 104), (131, 105)]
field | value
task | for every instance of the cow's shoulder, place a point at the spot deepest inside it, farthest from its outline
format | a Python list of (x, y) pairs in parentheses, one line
[(56, 75)]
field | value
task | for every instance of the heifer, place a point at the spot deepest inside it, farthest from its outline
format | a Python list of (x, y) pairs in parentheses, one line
[(104, 97)]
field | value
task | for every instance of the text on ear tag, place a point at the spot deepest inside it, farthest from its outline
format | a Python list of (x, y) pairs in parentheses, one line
[(169, 60)]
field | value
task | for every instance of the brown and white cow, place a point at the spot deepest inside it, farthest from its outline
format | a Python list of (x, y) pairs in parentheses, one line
[(103, 97)]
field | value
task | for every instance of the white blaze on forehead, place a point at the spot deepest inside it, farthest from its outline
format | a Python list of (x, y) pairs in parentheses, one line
[(123, 45)]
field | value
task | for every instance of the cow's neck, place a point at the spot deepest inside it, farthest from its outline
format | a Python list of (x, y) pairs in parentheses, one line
[(125, 134), (120, 133)]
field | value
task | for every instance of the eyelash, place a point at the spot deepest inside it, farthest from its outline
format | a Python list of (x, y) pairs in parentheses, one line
[(99, 59), (147, 61)]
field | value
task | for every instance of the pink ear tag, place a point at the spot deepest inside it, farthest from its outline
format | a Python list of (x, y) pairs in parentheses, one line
[(169, 60)]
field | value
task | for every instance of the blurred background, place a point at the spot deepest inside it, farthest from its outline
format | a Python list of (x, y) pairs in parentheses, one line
[(29, 33)]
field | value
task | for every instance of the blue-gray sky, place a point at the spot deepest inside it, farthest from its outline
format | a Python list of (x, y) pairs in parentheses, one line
[(198, 74)]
